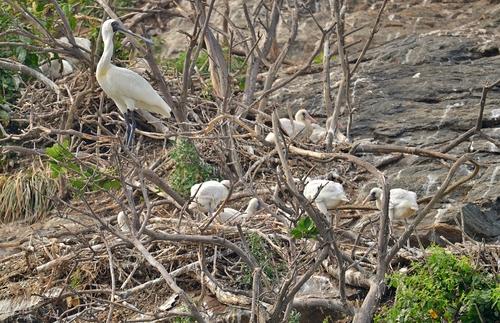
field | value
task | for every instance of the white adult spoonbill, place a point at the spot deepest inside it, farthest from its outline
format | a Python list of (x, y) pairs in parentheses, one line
[(229, 215), (301, 127), (126, 88), (402, 203), (325, 194), (208, 195)]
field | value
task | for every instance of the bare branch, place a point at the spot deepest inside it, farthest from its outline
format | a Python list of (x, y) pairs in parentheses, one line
[(370, 38), (18, 67)]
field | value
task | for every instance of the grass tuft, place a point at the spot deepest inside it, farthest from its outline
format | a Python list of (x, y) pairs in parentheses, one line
[(26, 195)]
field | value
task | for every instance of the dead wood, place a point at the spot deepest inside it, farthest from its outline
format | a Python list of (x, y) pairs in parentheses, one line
[(17, 67), (256, 268)]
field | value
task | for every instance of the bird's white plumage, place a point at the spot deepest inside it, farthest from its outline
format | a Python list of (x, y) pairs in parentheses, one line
[(126, 88), (80, 41), (318, 133), (130, 91), (292, 127), (208, 195), (300, 126), (232, 216), (331, 194), (56, 68), (402, 203), (122, 222), (270, 138)]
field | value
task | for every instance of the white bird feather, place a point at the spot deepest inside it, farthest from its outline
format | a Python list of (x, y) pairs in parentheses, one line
[(331, 194), (122, 222), (402, 203), (319, 133), (56, 68), (126, 88), (208, 195), (130, 91), (299, 128), (232, 216)]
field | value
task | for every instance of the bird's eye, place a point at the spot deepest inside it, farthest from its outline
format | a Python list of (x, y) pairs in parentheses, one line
[(114, 25)]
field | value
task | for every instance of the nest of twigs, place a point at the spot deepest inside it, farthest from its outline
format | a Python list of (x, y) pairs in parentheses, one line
[(80, 265)]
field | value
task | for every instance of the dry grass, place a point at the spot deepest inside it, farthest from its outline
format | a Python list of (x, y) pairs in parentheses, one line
[(26, 195)]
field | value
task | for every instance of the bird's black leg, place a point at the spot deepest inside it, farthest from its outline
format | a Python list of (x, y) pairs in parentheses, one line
[(127, 124), (130, 120), (130, 138)]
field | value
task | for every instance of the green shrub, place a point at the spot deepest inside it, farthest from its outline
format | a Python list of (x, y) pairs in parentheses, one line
[(261, 252), (183, 319), (82, 178), (4, 118), (443, 289), (177, 64), (318, 59), (305, 228), (189, 169), (294, 317), (45, 12), (8, 82)]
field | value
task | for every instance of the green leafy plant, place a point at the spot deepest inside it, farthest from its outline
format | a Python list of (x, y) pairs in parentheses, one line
[(178, 63), (8, 79), (183, 319), (318, 59), (443, 289), (264, 257), (4, 118), (189, 169), (238, 69), (82, 178), (305, 228), (45, 12), (75, 279), (294, 317)]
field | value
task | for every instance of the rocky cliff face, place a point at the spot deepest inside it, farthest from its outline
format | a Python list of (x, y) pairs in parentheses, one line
[(421, 87)]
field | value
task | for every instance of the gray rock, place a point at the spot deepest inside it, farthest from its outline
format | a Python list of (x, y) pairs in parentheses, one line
[(430, 84), (486, 188), (423, 91), (482, 225)]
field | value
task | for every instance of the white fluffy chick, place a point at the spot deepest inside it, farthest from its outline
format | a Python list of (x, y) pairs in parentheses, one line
[(232, 216), (331, 194), (299, 128), (402, 203), (208, 195), (122, 222)]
